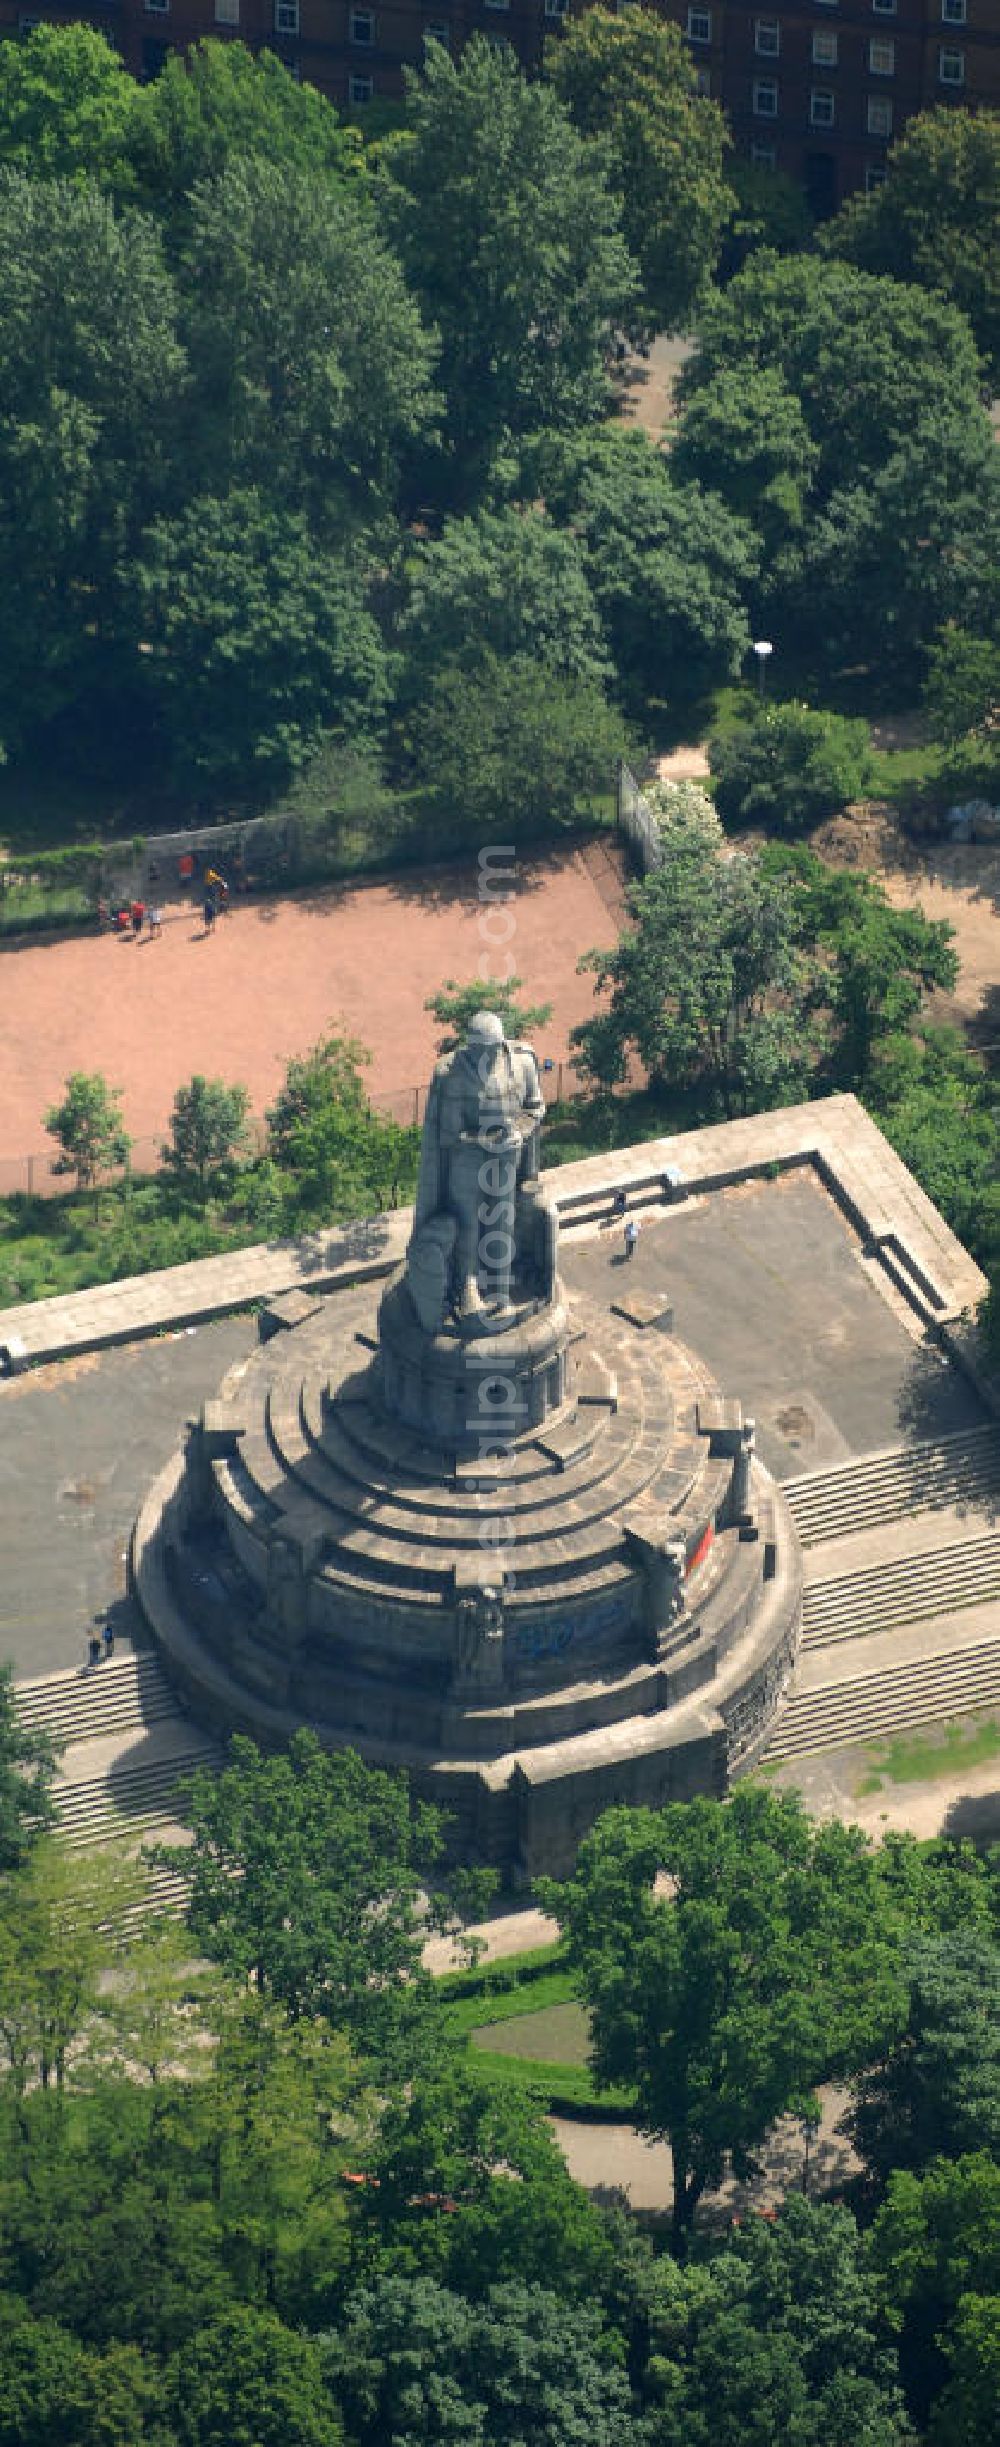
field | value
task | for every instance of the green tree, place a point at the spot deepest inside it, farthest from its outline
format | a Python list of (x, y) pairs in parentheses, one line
[(669, 565), (935, 2254), (340, 1157), (789, 766), (311, 367), (731, 1957), (61, 1922), (416, 2364), (67, 105), (776, 2337), (746, 432), (454, 1006), (631, 81), (208, 1129), (962, 688), (771, 210), (936, 218), (707, 983), (938, 1104), (306, 1876), (93, 384), (89, 1130), (510, 240), (55, 2393), (516, 746), (27, 1766), (967, 2413), (501, 584), (221, 103), (248, 2378), (257, 642), (936, 2094), (471, 2188), (891, 517), (876, 962)]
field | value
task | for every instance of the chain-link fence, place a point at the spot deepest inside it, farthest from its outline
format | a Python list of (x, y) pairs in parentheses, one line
[(32, 1175)]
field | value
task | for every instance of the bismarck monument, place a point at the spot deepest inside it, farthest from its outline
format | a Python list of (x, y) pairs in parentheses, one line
[(522, 1547)]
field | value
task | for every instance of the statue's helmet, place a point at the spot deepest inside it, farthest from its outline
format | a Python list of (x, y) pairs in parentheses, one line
[(485, 1029)]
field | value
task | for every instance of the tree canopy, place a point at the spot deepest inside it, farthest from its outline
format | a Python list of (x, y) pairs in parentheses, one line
[(630, 80), (510, 239), (731, 1958), (936, 218)]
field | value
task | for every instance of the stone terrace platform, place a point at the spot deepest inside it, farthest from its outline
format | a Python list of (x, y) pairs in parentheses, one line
[(901, 1230)]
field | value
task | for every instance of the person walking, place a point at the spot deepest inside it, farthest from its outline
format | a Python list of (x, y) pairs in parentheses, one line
[(94, 1649), (208, 912), (108, 1637), (138, 914), (154, 919), (631, 1236), (617, 1215)]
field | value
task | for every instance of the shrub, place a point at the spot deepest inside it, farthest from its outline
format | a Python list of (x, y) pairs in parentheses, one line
[(788, 766)]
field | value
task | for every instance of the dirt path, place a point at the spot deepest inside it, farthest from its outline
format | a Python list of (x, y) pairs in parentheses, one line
[(273, 976)]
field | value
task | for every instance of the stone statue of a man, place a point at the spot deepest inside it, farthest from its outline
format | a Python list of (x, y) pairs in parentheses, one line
[(479, 1151)]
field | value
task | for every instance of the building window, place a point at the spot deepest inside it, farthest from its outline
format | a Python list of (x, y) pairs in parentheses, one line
[(699, 25), (822, 107), (765, 98), (703, 83), (767, 37), (951, 67), (441, 34), (953, 12), (874, 177), (286, 16), (360, 88), (362, 27), (882, 58), (879, 116), (556, 8), (227, 12), (764, 155), (825, 50), (154, 59), (883, 8), (496, 3), (28, 25), (157, 8)]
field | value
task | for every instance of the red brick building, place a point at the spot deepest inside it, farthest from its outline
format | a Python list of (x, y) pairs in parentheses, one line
[(820, 88)]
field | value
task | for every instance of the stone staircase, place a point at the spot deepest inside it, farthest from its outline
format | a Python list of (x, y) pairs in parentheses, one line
[(911, 1589), (860, 1710), (88, 1707), (903, 1479), (87, 1701), (941, 1674)]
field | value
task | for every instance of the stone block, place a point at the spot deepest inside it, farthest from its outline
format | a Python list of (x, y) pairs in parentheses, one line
[(722, 1422), (221, 1430), (282, 1315), (645, 1310)]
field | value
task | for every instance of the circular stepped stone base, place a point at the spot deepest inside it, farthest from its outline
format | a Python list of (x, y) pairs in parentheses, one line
[(534, 1631)]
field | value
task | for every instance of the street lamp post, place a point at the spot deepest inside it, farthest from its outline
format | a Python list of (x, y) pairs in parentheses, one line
[(762, 648)]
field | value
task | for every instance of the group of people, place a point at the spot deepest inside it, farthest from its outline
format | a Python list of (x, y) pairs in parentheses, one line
[(101, 1643), (131, 918)]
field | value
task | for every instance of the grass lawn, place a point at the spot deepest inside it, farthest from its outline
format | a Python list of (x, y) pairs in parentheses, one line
[(919, 1758), (532, 2037)]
